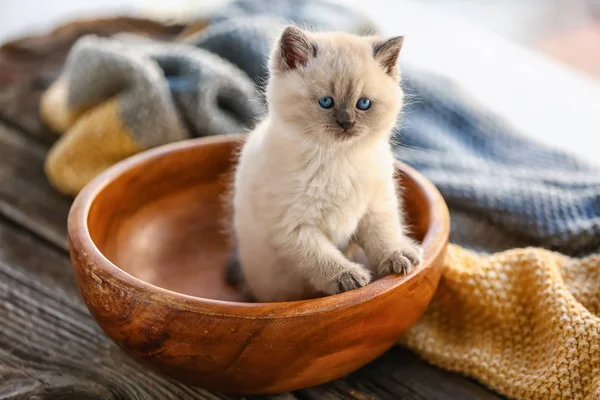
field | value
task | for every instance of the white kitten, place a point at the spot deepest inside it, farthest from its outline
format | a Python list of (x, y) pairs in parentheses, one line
[(318, 171)]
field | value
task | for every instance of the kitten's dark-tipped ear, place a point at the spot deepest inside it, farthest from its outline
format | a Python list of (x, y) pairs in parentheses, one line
[(386, 53), (294, 49)]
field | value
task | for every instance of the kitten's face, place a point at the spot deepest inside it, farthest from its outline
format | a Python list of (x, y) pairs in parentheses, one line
[(335, 88)]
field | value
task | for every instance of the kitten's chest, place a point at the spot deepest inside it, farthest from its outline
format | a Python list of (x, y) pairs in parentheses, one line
[(334, 198)]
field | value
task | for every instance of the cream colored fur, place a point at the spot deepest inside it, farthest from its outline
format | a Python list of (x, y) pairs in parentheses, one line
[(304, 187)]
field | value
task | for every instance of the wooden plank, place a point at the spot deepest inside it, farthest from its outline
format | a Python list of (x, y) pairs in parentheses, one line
[(40, 260), (400, 374), (19, 108), (26, 197)]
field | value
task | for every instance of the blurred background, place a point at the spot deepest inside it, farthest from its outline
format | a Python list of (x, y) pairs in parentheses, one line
[(535, 62), (568, 30)]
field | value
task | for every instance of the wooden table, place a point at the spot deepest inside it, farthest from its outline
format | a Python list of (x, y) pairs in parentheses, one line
[(50, 347)]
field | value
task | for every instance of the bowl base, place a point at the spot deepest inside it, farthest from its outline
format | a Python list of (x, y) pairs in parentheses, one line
[(176, 245)]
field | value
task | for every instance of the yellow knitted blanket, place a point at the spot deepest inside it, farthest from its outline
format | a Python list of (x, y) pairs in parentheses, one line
[(525, 322)]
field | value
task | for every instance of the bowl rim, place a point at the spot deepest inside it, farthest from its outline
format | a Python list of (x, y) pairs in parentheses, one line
[(103, 270)]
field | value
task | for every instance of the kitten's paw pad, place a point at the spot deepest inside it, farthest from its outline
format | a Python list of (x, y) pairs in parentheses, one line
[(401, 261), (352, 279)]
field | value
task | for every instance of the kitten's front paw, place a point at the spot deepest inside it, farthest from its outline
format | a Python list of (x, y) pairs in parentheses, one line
[(351, 278), (401, 261)]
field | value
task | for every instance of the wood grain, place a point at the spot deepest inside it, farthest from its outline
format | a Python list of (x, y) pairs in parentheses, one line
[(157, 218), (25, 195)]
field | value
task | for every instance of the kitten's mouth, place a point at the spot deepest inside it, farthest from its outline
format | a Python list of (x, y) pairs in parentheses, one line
[(345, 134)]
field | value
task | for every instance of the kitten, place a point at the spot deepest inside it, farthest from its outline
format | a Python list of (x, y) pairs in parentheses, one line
[(318, 172)]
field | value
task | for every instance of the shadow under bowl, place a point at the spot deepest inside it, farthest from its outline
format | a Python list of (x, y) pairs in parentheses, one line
[(149, 256)]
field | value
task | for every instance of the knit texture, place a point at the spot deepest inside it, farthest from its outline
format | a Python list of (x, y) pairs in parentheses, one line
[(524, 322), (95, 142), (165, 92), (484, 167), (243, 41)]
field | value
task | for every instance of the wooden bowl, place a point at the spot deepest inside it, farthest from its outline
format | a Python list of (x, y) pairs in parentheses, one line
[(150, 258)]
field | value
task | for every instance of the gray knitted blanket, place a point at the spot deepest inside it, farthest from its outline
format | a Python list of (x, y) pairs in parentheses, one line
[(503, 189), (523, 192)]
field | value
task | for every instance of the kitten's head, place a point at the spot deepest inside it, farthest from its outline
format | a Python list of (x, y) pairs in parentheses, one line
[(334, 87)]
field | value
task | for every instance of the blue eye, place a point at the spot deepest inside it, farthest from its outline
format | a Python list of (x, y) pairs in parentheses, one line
[(326, 102), (363, 103)]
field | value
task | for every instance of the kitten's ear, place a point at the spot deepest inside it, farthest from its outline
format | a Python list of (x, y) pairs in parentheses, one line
[(294, 49), (386, 53)]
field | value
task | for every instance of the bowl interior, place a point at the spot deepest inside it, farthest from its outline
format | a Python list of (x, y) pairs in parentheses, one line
[(159, 217)]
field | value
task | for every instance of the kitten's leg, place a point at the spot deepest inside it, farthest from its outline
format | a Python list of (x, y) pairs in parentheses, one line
[(321, 263), (382, 236), (234, 276)]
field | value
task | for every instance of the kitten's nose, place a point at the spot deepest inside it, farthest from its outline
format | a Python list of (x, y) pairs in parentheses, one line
[(345, 124)]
